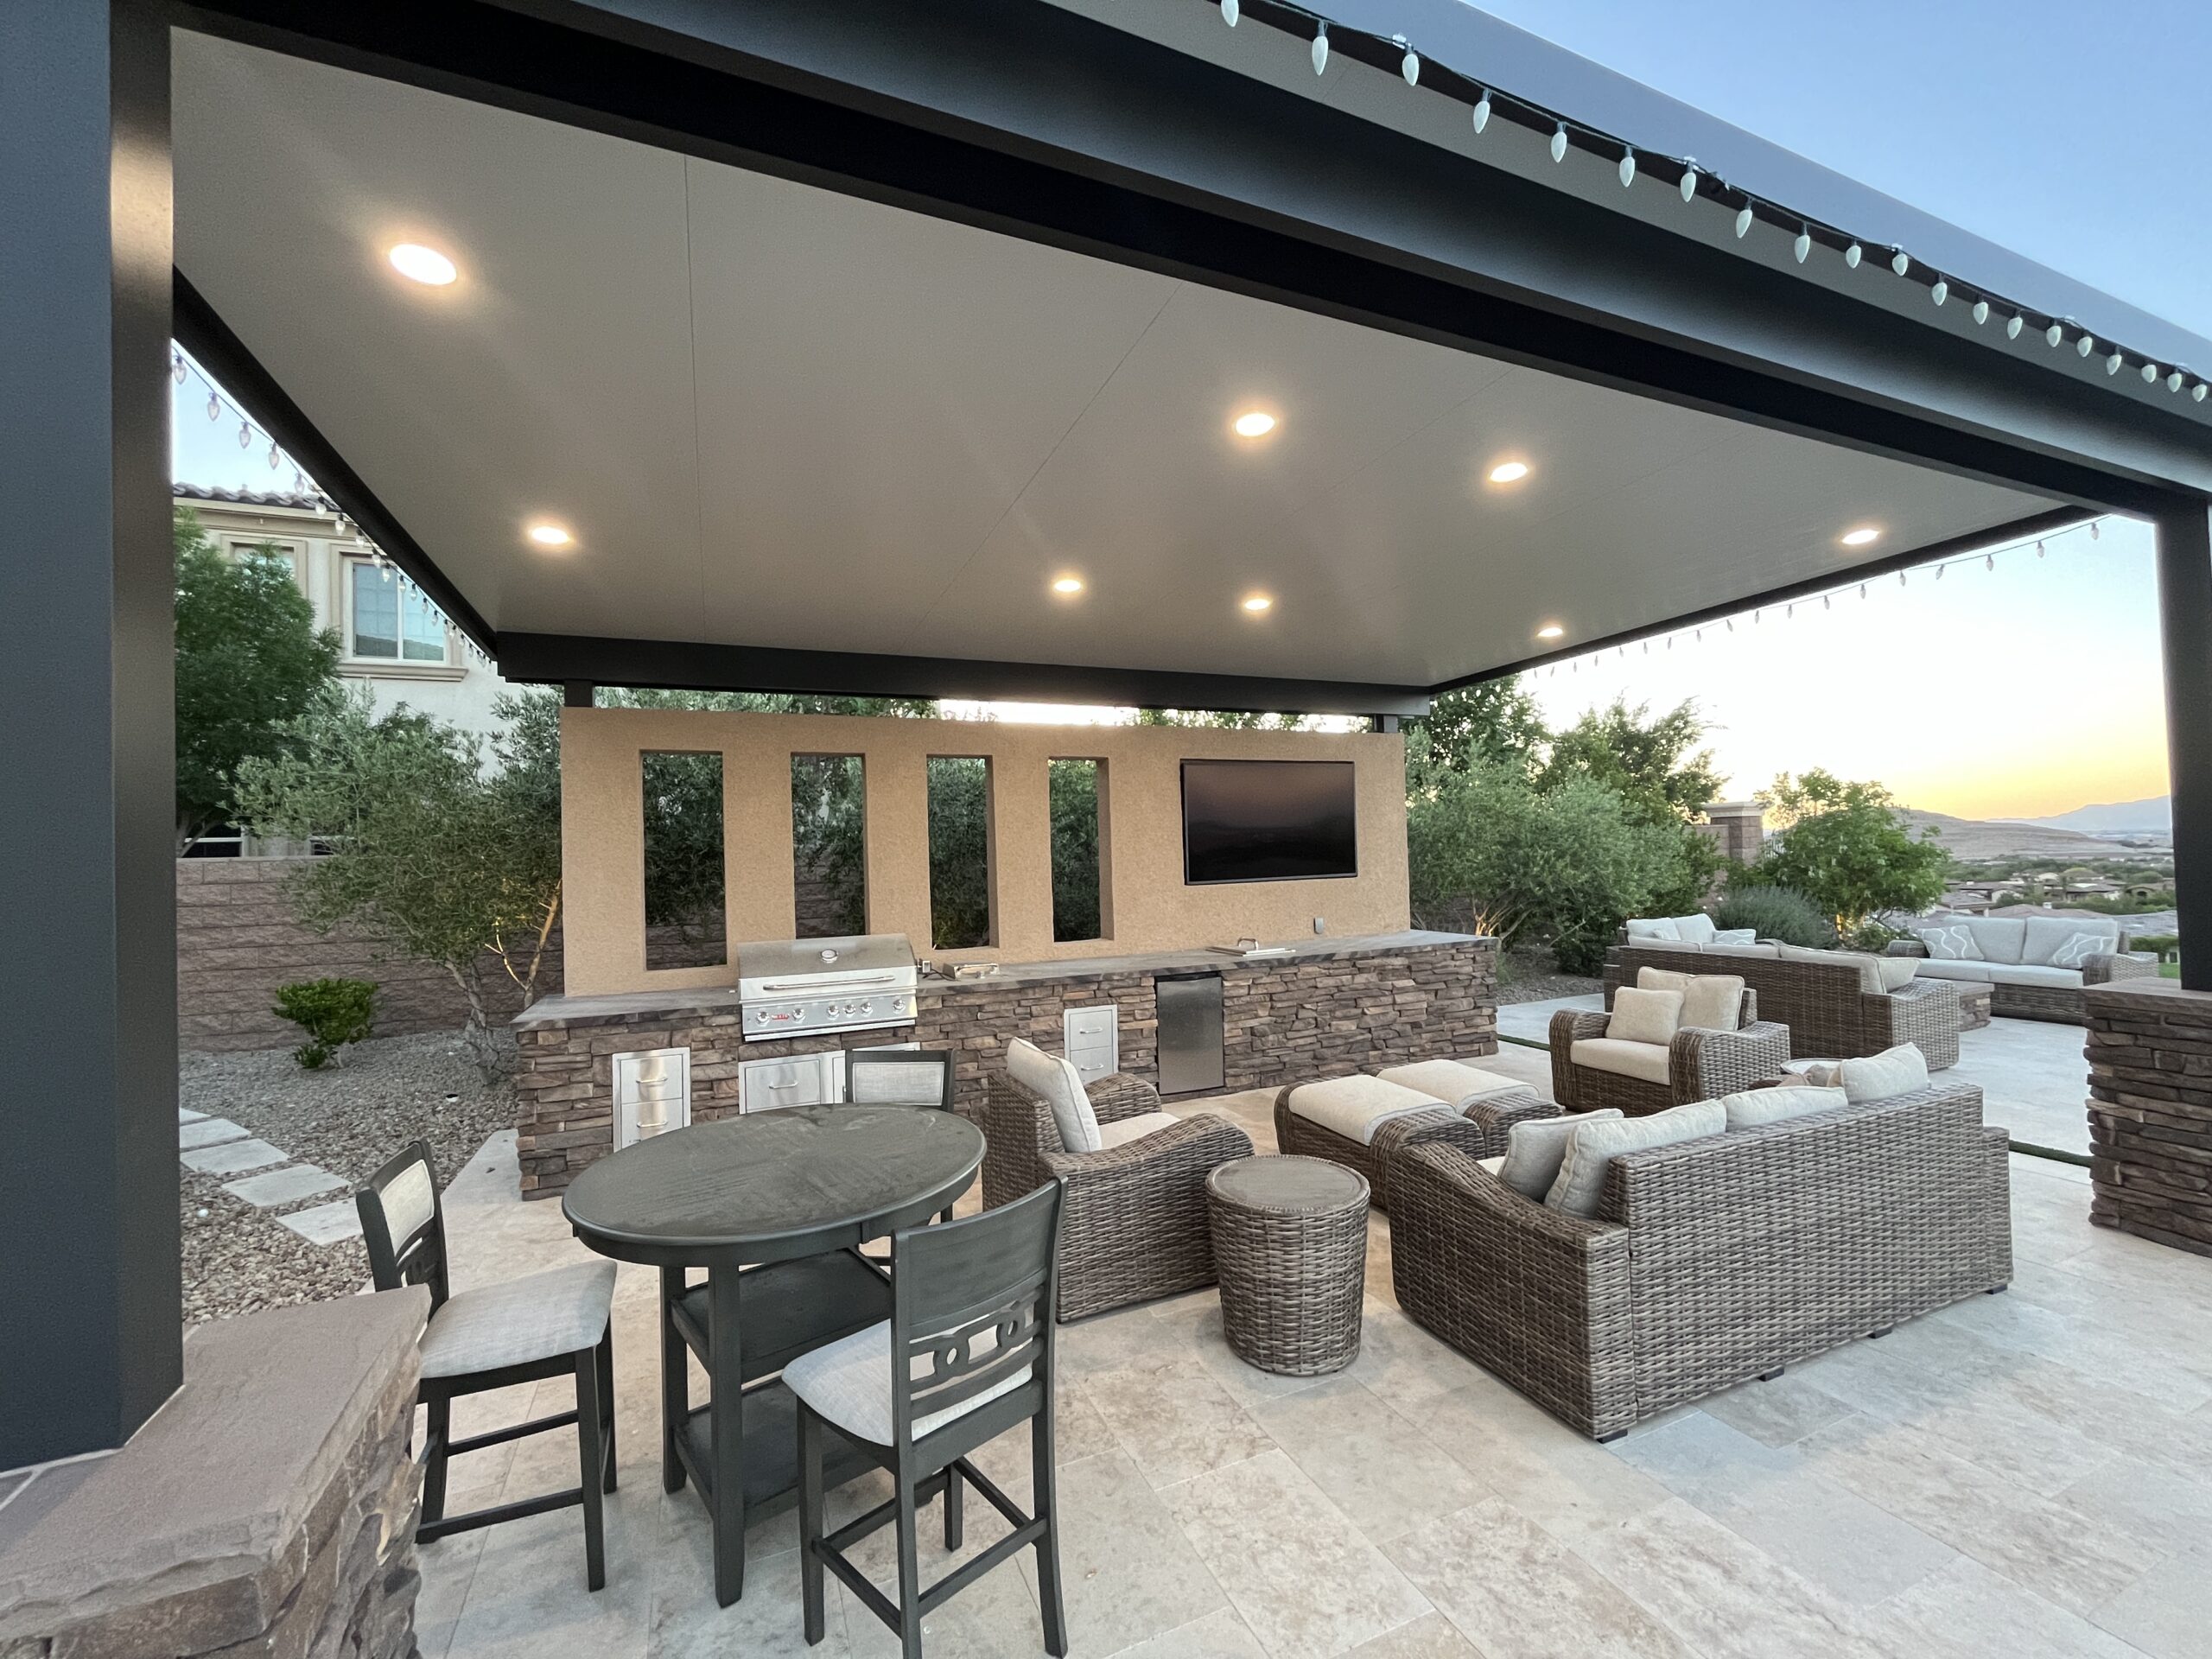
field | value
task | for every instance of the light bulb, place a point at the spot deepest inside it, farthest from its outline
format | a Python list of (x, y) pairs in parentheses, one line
[(1852, 255), (1989, 561), (2113, 363), (1743, 222), (246, 436), (1899, 263), (1980, 312), (2093, 530), (424, 265), (1803, 246), (1229, 10), (1320, 48), (1409, 66), (1068, 585), (2054, 334), (1481, 111), (177, 367), (2086, 344), (272, 454), (2173, 381), (1628, 167), (2038, 549), (2150, 374), (2013, 328), (1940, 292), (2197, 391), (214, 407), (1689, 182), (1558, 142)]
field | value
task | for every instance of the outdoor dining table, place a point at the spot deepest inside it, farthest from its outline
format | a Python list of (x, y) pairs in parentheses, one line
[(773, 1207)]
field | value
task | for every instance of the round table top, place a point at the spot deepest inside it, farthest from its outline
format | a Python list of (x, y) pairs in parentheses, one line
[(1289, 1185), (770, 1185)]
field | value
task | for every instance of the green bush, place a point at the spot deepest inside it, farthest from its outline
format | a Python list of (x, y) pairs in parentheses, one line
[(333, 1013), (1781, 913), (2165, 945)]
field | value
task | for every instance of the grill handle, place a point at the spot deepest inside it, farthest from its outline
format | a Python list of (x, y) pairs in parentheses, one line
[(815, 987)]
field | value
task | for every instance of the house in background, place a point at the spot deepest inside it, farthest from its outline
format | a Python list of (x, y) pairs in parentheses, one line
[(390, 633)]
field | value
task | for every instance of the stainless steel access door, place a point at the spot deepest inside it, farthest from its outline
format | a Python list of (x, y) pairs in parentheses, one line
[(1190, 1033)]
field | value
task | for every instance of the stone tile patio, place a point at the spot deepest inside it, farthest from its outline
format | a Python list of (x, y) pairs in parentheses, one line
[(2029, 1474)]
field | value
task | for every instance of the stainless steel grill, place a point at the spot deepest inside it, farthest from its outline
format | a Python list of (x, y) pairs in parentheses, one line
[(798, 986)]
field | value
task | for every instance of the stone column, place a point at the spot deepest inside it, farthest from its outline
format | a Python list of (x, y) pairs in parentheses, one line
[(2150, 1052)]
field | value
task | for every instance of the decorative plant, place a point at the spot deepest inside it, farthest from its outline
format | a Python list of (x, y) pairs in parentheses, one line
[(1845, 846), (1780, 914), (333, 1013)]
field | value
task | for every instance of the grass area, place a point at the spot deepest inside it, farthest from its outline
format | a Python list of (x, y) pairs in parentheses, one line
[(2169, 970)]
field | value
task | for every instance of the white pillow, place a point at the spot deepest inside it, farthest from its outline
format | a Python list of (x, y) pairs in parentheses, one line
[(1696, 928), (1710, 1001), (1581, 1183), (1897, 972), (1734, 936), (1054, 1079), (1659, 927), (1754, 1106), (1949, 941), (1897, 1071), (1536, 1146), (1645, 1016)]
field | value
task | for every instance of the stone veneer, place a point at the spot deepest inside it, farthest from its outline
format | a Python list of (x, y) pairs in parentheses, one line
[(268, 1508), (2150, 1051), (1330, 1008)]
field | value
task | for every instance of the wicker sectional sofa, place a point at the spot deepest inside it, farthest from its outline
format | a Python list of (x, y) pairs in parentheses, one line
[(1830, 1014), (2036, 967), (1710, 1263)]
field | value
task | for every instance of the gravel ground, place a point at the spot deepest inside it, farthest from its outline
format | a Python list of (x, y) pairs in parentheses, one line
[(348, 1119), (1529, 975)]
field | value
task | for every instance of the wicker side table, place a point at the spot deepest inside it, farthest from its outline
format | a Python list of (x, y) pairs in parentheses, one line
[(1290, 1246)]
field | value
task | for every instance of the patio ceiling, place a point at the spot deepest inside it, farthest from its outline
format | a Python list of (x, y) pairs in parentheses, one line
[(775, 416)]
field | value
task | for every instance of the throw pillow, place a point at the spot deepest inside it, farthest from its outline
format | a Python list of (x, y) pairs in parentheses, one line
[(1870, 967), (2078, 948), (1821, 1074), (1593, 1146), (1735, 935), (1756, 1107), (1536, 1148), (1949, 941), (1645, 1016), (1897, 972), (1696, 928), (1710, 1001), (1054, 1080), (1897, 1071), (1652, 927)]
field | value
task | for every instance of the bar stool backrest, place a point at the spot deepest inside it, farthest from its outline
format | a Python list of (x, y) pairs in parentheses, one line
[(898, 1077), (403, 1225)]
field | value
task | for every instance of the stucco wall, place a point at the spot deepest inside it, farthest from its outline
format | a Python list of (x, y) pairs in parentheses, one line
[(603, 835)]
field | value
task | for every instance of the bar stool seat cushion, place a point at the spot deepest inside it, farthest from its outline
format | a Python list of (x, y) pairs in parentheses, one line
[(560, 1311), (849, 1382)]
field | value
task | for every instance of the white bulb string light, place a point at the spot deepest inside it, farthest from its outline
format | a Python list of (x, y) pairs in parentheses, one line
[(1633, 162)]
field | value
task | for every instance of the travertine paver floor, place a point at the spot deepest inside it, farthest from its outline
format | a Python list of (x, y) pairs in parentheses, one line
[(2028, 1475)]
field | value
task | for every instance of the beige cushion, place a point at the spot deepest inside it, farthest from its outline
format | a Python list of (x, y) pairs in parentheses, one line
[(1975, 973), (1534, 1148), (2008, 973), (1897, 972), (849, 1382), (546, 1314), (1697, 929), (1596, 1143), (2066, 941), (1722, 948), (1645, 1016), (1493, 1164), (1998, 938), (1754, 1106), (1652, 927), (1356, 1106), (1644, 1060), (1453, 1082), (1054, 1079), (1948, 939), (1870, 967), (1121, 1131), (1897, 1071), (1710, 1001)]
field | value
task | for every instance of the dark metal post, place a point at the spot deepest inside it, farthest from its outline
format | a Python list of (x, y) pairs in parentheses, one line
[(89, 1299), (2185, 631)]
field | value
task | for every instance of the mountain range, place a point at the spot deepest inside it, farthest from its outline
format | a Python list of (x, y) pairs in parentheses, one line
[(2154, 817)]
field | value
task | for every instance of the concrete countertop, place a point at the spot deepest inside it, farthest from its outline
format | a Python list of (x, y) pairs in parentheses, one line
[(638, 1005)]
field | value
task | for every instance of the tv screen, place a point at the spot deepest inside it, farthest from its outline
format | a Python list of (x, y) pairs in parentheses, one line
[(1268, 821)]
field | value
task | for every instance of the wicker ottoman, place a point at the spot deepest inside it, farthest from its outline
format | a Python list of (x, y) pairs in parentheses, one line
[(1290, 1248)]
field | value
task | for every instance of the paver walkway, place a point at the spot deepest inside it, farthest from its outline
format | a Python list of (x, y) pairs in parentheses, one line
[(215, 1146)]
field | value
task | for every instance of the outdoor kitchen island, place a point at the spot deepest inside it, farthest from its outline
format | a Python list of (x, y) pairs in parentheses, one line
[(1318, 1007)]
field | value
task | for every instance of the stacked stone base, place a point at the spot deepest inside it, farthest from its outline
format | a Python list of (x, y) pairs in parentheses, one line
[(2150, 1052)]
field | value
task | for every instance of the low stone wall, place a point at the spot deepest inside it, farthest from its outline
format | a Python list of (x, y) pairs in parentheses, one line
[(2150, 1051), (1325, 1013), (268, 1508)]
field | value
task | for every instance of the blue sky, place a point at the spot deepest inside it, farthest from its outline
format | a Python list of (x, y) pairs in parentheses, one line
[(2075, 136)]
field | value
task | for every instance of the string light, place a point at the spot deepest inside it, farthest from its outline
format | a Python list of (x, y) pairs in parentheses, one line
[(1743, 222), (1558, 142), (176, 366), (1689, 179), (1228, 12), (1409, 66), (2086, 344), (2013, 328), (1320, 48), (246, 436), (1628, 167), (1803, 246), (1940, 292), (1852, 255), (1899, 263), (2054, 334), (1482, 111), (1980, 312)]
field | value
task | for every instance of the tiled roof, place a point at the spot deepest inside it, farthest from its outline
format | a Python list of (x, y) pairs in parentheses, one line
[(251, 498)]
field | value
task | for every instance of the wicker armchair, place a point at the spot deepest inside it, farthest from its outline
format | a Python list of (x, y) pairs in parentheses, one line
[(1133, 1218), (1829, 1014), (1702, 1064), (1836, 1226), (1481, 1128)]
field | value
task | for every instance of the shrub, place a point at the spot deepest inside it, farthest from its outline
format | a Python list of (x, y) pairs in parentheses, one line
[(1846, 847), (2167, 946), (333, 1013), (1781, 913)]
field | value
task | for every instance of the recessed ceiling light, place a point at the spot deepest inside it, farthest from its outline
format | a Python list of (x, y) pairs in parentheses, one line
[(549, 535), (1861, 536), (1509, 472), (1257, 602), (1068, 585), (425, 265), (1550, 631), (1252, 423)]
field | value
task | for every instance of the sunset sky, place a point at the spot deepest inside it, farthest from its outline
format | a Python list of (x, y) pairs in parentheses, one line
[(2024, 691)]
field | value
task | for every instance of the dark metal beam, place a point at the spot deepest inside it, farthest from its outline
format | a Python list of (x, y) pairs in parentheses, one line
[(2185, 633), (554, 658), (91, 1310), (2041, 524)]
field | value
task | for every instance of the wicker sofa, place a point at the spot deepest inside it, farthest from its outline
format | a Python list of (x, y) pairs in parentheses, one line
[(1702, 1064), (2036, 967), (1830, 1014), (1711, 1262), (1133, 1217)]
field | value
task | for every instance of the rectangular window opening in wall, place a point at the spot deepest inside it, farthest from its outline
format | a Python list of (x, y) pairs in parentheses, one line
[(389, 619), (960, 852), (828, 845), (684, 901), (1081, 901)]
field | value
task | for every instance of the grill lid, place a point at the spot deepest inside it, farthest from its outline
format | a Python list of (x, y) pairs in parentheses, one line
[(776, 968)]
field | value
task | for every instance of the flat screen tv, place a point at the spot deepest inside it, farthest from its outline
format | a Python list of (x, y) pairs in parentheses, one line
[(1268, 821)]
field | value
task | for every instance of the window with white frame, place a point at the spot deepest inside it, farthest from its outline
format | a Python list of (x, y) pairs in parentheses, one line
[(389, 619)]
